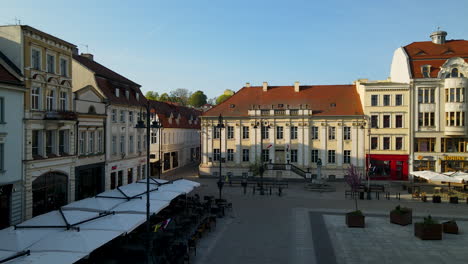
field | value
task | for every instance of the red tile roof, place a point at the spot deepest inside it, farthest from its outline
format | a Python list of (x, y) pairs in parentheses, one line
[(6, 75), (429, 53), (108, 81), (324, 100), (165, 109)]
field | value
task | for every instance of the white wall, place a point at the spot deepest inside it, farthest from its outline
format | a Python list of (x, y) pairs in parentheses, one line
[(400, 68)]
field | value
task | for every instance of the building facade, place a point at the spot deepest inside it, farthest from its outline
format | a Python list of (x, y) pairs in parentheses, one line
[(436, 71), (90, 164), (125, 145), (49, 122), (177, 143), (295, 126), (11, 143)]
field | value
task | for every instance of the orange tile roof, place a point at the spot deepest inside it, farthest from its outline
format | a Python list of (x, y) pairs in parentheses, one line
[(165, 109), (319, 98), (429, 53)]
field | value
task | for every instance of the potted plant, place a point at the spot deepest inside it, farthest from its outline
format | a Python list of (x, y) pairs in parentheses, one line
[(454, 200), (423, 197), (450, 227), (436, 199), (401, 216), (429, 229), (354, 218)]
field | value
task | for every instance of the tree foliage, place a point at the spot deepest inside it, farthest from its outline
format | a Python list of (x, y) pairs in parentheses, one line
[(164, 97), (152, 95), (257, 167), (180, 95), (197, 99), (222, 98)]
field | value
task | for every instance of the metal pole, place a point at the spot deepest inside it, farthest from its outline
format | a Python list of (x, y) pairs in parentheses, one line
[(148, 227), (261, 158), (220, 161), (160, 162), (368, 164)]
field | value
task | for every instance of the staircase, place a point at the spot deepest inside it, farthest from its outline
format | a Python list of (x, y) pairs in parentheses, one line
[(286, 167)]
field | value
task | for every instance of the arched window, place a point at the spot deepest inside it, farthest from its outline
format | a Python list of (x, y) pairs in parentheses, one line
[(91, 109), (454, 73), (50, 192)]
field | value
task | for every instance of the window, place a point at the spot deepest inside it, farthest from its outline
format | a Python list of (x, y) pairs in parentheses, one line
[(127, 94), (2, 110), (454, 144), (426, 95), (114, 115), (398, 143), (386, 121), (35, 102), (122, 144), (398, 99), (35, 59), (426, 71), (455, 118), (117, 92), (347, 133), (454, 73), (35, 143), (294, 132), (2, 157), (81, 143), (374, 142), (63, 134), (279, 132), (426, 119), (63, 101), (314, 132), (245, 132), (424, 144), (131, 144), (331, 133), (114, 145), (230, 155), (63, 67), (119, 178), (130, 116), (398, 121), (374, 100), (99, 141), (265, 132), (374, 121), (293, 155), (49, 142), (129, 175), (153, 137), (455, 95), (386, 143), (50, 98), (139, 143), (245, 155), (216, 154), (230, 132), (50, 63), (314, 155), (265, 155), (386, 100), (91, 142), (331, 156), (216, 132), (347, 156), (122, 116)]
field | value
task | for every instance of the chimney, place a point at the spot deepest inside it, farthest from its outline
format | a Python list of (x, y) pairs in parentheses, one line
[(296, 87), (89, 56), (438, 37), (247, 84), (265, 86)]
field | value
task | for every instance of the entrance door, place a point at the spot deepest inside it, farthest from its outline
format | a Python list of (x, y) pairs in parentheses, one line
[(5, 194), (49, 192), (279, 156), (399, 170)]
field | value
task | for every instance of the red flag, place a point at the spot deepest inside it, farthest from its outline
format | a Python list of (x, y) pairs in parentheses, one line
[(269, 146)]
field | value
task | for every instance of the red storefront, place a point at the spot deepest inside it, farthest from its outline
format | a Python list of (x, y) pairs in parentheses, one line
[(388, 167)]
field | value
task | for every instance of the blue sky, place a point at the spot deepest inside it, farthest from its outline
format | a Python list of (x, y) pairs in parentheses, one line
[(221, 44)]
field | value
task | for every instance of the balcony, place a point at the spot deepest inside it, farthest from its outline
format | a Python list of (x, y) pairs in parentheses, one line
[(63, 115), (454, 131), (280, 112)]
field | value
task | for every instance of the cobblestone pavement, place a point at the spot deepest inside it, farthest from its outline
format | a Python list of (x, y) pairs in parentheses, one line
[(273, 229)]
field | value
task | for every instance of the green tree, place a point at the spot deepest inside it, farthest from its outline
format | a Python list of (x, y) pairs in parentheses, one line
[(257, 167), (222, 98), (180, 95), (164, 97), (197, 99), (152, 95)]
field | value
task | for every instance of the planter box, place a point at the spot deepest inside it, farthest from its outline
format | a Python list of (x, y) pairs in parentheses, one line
[(353, 220), (401, 219), (436, 199), (428, 232), (450, 227), (454, 200)]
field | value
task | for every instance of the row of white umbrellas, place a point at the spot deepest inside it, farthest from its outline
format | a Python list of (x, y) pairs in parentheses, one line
[(458, 177), (125, 210)]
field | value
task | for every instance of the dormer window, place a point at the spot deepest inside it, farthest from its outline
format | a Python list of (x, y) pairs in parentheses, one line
[(127, 94), (117, 92), (280, 105), (426, 71), (138, 96), (232, 105)]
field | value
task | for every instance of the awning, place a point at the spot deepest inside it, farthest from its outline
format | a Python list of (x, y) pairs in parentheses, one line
[(436, 177), (138, 206), (48, 257), (94, 204), (124, 223)]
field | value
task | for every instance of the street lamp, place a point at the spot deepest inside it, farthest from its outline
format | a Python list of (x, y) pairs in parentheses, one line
[(141, 125), (368, 163), (262, 169), (220, 126)]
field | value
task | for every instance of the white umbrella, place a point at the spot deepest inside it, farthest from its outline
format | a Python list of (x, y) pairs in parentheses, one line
[(84, 241), (94, 204), (18, 240), (124, 223), (162, 195), (54, 218), (182, 188), (187, 182), (138, 206), (49, 257)]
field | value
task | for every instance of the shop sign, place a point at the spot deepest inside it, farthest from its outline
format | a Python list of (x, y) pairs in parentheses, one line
[(454, 158)]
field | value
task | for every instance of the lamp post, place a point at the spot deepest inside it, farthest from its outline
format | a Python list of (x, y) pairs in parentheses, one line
[(220, 126), (262, 169), (141, 125), (159, 153), (368, 163)]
